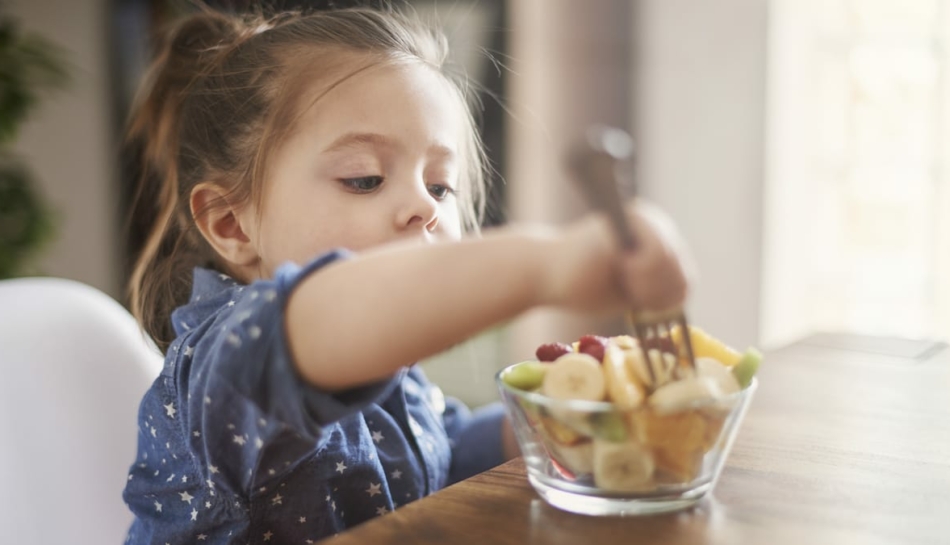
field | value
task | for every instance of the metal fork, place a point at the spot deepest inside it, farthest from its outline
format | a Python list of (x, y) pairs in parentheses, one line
[(597, 167)]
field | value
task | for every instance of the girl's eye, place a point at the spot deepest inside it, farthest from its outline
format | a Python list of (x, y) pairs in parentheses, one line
[(363, 184), (440, 191)]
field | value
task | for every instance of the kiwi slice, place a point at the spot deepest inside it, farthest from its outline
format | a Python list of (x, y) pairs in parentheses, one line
[(608, 426), (747, 367), (527, 375)]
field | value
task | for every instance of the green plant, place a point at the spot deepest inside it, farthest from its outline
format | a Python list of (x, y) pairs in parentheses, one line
[(29, 65)]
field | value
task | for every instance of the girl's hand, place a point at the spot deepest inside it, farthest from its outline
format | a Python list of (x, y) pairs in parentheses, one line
[(590, 272)]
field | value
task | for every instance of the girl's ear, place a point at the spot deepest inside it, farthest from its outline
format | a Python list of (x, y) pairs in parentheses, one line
[(220, 223)]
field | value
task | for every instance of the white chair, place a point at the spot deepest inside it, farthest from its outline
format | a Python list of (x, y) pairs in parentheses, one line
[(73, 368)]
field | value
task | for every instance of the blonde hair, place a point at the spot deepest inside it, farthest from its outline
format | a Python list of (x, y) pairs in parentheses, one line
[(220, 97)]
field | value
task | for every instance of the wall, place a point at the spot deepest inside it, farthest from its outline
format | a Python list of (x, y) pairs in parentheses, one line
[(699, 118), (67, 142), (571, 67)]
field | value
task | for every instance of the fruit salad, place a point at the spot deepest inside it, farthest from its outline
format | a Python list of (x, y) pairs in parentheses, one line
[(663, 414)]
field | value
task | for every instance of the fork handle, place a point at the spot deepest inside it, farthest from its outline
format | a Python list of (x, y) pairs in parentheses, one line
[(595, 167), (601, 170)]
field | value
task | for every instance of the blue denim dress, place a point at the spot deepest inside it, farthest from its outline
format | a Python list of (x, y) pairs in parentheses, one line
[(234, 447)]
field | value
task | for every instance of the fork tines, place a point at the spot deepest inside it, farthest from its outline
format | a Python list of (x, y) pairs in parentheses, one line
[(654, 331)]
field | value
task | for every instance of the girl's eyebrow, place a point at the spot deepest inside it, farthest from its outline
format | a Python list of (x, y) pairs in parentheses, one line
[(360, 139)]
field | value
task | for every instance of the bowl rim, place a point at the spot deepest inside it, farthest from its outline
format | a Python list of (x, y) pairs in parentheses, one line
[(607, 406)]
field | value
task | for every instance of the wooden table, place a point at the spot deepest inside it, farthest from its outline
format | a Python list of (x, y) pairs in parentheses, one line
[(847, 442)]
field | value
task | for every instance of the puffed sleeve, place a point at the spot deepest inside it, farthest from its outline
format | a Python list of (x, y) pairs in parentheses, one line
[(240, 386)]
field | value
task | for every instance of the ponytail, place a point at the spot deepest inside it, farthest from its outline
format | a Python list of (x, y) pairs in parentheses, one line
[(160, 278), (220, 97)]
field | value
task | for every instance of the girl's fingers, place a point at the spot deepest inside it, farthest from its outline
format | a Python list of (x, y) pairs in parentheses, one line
[(657, 274)]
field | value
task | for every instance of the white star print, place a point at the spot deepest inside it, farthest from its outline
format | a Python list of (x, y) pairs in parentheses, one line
[(170, 410), (231, 426), (270, 295), (184, 478), (341, 467), (196, 433), (397, 474), (185, 326), (230, 303), (373, 489), (189, 350), (258, 442), (130, 476), (154, 431), (381, 510), (262, 422), (303, 520), (210, 483), (207, 400), (186, 497), (277, 500), (158, 507), (271, 472), (239, 439), (377, 436), (254, 332), (267, 535), (202, 537), (207, 505), (234, 340), (213, 469), (224, 277), (194, 514), (333, 505)]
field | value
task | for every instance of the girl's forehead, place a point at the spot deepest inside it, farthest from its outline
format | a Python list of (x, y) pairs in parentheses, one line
[(385, 93)]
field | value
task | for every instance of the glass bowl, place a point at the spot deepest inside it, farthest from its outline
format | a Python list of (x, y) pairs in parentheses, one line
[(590, 457)]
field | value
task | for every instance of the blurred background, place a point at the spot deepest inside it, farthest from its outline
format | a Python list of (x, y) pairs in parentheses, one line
[(803, 147)]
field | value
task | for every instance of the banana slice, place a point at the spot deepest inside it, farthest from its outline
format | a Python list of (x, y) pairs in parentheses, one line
[(578, 458), (623, 387), (722, 375), (574, 376), (662, 364), (622, 467), (680, 394), (624, 341)]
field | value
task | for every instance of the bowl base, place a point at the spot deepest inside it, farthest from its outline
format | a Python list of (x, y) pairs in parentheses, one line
[(585, 504)]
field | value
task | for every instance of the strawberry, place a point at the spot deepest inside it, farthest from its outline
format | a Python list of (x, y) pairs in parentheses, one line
[(593, 345), (552, 351)]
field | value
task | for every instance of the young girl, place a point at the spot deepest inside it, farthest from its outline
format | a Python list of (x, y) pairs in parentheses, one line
[(313, 176)]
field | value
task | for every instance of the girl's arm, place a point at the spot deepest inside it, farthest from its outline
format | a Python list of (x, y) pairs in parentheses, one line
[(360, 320)]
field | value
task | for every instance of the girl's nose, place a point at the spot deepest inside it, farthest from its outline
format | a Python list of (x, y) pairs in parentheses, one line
[(418, 209)]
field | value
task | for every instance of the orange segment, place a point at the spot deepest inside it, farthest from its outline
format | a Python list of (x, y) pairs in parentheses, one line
[(682, 465), (679, 431), (677, 441)]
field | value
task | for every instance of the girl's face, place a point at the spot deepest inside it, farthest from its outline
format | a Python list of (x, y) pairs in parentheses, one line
[(375, 159)]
